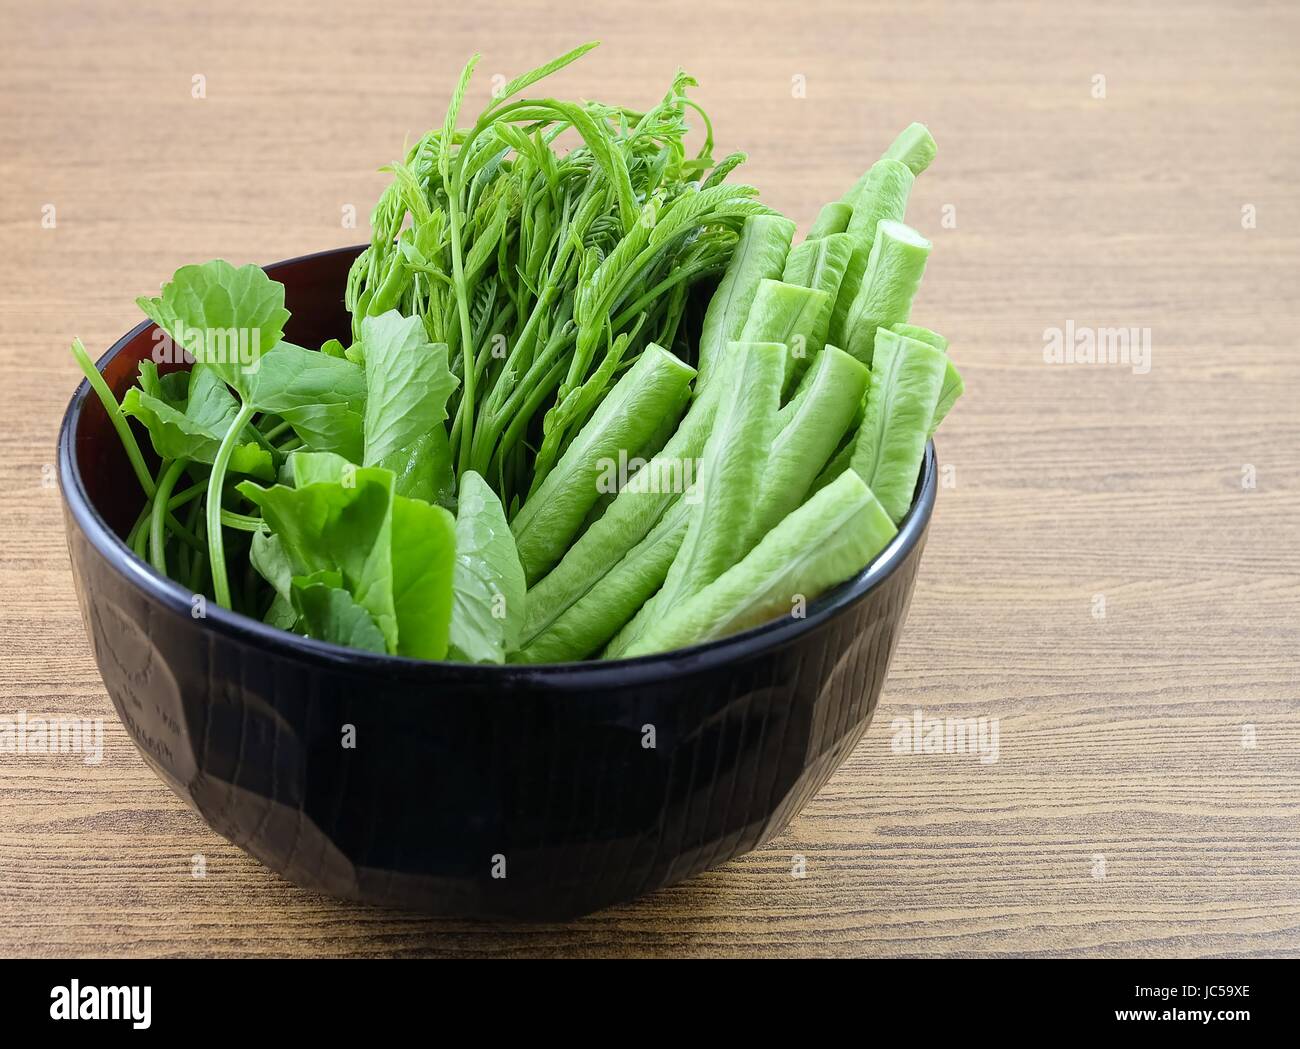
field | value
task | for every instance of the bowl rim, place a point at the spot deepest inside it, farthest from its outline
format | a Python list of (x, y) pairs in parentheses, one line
[(589, 674)]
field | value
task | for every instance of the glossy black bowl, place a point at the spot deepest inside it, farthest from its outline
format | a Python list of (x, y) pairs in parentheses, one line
[(525, 792)]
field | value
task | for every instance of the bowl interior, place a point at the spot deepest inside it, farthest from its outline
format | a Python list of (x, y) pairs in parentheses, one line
[(99, 486)]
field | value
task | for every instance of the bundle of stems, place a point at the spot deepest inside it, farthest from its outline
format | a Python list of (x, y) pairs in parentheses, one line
[(547, 270)]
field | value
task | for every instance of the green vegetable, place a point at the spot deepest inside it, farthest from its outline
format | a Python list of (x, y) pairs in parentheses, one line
[(552, 516), (953, 387), (331, 614), (196, 429), (915, 331), (722, 520), (820, 264), (115, 415), (588, 623), (407, 384), (268, 556), (343, 526), (914, 147), (422, 469), (893, 274), (822, 543), (823, 414), (337, 428), (633, 513), (792, 316), (840, 462), (224, 317), (833, 218), (530, 259), (882, 196), (294, 377), (760, 255), (906, 378), (426, 554), (466, 477), (487, 591), (830, 400)]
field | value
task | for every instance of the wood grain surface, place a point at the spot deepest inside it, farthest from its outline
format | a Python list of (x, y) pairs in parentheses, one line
[(1146, 796)]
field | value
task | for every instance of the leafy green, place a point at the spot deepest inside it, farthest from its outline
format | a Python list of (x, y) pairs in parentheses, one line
[(422, 469), (196, 428), (546, 270), (488, 585), (223, 316), (334, 427), (291, 377), (331, 614), (407, 384), (423, 552), (342, 526)]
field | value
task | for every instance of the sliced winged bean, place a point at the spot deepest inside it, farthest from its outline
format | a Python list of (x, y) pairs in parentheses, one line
[(914, 147), (627, 416), (882, 195), (760, 254), (915, 331), (722, 517), (831, 396), (953, 386), (820, 264), (825, 541), (807, 440), (840, 462), (833, 218), (628, 519), (906, 378), (893, 275), (792, 315), (582, 628), (612, 485)]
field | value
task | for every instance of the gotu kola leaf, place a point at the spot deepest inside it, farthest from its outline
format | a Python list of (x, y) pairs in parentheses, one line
[(225, 317)]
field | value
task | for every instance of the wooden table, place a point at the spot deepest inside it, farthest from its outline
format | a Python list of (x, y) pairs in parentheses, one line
[(1144, 800)]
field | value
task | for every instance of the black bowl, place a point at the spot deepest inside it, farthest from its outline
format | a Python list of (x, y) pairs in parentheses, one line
[(525, 792)]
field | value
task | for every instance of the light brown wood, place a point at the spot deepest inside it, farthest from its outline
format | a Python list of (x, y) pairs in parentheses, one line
[(1121, 742)]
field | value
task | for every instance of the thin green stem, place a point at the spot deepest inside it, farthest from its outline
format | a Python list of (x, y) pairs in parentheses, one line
[(241, 522), (115, 416), (216, 547), (186, 494), (141, 523), (140, 543), (466, 329), (157, 537)]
